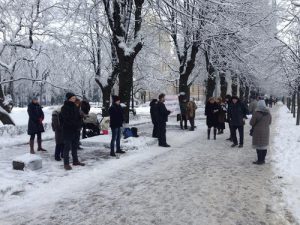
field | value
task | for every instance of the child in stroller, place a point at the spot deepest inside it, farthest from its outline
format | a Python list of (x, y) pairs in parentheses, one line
[(91, 126)]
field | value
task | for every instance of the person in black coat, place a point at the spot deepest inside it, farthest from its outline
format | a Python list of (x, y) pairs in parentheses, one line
[(116, 122), (154, 117), (227, 107), (163, 114), (35, 124), (71, 123), (237, 113), (212, 111)]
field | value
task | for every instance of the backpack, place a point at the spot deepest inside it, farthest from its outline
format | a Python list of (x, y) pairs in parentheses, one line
[(134, 132), (127, 133)]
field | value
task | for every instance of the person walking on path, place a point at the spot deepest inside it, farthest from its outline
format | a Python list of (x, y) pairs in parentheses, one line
[(260, 122), (71, 123), (183, 111), (116, 122), (252, 106), (237, 114), (35, 124), (221, 116), (163, 114), (154, 117), (212, 111), (58, 130), (191, 113)]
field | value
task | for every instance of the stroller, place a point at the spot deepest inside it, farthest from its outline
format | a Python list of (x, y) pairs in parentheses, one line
[(91, 125)]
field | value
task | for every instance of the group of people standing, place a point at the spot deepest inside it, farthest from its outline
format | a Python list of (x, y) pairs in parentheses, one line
[(233, 111)]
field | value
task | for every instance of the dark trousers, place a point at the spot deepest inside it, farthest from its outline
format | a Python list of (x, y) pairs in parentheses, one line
[(261, 154), (155, 130), (39, 136), (59, 149), (183, 121), (162, 130), (192, 122), (70, 143), (115, 138), (241, 133)]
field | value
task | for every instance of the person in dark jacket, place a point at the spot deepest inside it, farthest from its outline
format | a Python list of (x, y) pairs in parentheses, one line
[(227, 106), (35, 124), (183, 110), (163, 114), (154, 117), (59, 140), (221, 116), (212, 115), (71, 123), (116, 122), (85, 107), (237, 113)]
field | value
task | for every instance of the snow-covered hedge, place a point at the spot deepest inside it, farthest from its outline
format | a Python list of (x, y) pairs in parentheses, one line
[(10, 130)]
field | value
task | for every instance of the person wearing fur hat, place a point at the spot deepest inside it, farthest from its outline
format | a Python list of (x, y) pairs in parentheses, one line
[(116, 122), (71, 123), (237, 113), (35, 124), (260, 122)]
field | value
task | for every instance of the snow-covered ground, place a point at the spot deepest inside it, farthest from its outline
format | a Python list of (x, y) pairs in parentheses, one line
[(196, 181), (286, 157)]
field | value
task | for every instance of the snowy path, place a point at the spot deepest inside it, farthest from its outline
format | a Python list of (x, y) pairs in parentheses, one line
[(197, 182)]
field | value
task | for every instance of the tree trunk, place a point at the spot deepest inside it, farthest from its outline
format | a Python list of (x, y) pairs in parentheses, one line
[(242, 91), (106, 92), (223, 85), (294, 104), (298, 108), (247, 93), (183, 86), (5, 118), (234, 85), (125, 84), (289, 103)]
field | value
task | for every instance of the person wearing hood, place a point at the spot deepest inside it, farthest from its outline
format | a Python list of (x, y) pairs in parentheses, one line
[(71, 123), (252, 106), (35, 124), (154, 117), (260, 122), (237, 113), (116, 122)]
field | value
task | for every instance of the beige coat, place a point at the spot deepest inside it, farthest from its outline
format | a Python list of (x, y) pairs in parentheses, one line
[(191, 109), (261, 122)]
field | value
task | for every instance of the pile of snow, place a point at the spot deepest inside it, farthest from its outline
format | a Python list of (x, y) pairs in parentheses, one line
[(30, 161), (286, 157)]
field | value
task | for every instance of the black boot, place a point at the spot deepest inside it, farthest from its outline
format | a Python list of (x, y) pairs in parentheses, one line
[(260, 160), (215, 133), (208, 133), (112, 153)]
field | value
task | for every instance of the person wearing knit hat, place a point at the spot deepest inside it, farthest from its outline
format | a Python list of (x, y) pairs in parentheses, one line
[(237, 113), (116, 122), (71, 123), (260, 122), (70, 95)]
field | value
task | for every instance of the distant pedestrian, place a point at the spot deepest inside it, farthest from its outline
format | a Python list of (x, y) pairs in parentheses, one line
[(154, 117), (252, 106), (82, 115), (227, 108), (116, 122), (237, 114), (191, 113), (183, 111), (35, 124), (71, 123), (221, 116), (212, 111), (163, 114), (59, 139), (260, 122)]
